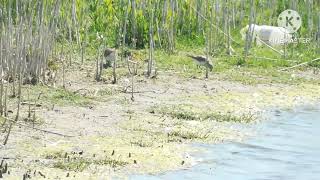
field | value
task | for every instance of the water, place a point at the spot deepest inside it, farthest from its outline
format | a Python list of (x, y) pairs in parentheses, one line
[(287, 147)]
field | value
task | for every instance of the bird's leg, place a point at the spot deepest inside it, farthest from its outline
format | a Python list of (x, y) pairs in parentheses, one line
[(207, 72)]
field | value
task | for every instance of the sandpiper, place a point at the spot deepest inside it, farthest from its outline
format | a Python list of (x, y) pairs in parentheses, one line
[(109, 55), (202, 61)]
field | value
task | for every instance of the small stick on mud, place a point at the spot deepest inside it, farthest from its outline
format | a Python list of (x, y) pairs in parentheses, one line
[(139, 92), (97, 77), (132, 97), (34, 109), (63, 69), (1, 89), (29, 104), (5, 100), (63, 75), (114, 70), (8, 134), (132, 73), (12, 122)]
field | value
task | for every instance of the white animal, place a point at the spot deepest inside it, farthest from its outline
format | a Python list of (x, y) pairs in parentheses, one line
[(271, 35)]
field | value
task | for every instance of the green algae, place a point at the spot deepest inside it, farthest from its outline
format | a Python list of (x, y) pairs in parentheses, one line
[(120, 152), (189, 112)]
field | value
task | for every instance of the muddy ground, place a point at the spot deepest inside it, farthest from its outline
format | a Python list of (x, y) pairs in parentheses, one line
[(109, 134)]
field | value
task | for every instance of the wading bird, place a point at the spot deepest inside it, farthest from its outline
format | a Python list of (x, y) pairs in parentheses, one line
[(109, 55), (202, 61)]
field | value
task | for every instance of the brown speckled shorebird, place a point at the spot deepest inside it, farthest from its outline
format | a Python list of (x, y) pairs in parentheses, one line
[(202, 61), (109, 54)]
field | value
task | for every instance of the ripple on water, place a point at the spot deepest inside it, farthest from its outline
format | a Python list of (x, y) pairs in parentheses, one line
[(286, 147)]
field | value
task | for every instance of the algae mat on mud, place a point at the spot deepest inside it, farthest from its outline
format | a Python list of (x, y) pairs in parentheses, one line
[(155, 138), (92, 157)]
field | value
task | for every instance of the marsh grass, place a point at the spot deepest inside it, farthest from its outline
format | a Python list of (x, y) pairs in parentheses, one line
[(2, 119), (75, 162), (59, 96), (118, 152), (258, 75), (55, 155), (2, 122), (108, 92), (252, 72), (187, 135), (35, 121), (77, 166), (152, 130), (80, 164), (141, 143), (121, 72), (188, 112)]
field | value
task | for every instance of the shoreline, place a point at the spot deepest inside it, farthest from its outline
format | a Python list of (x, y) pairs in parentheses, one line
[(118, 137)]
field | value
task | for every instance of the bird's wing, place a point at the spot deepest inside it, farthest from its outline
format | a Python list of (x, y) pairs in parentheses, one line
[(107, 52), (198, 58)]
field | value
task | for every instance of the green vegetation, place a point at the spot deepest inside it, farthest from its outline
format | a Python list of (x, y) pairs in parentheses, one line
[(187, 134), (80, 164), (2, 120), (115, 152), (108, 92), (76, 162), (151, 131), (56, 155), (63, 42), (189, 112), (175, 26), (58, 96), (256, 71)]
